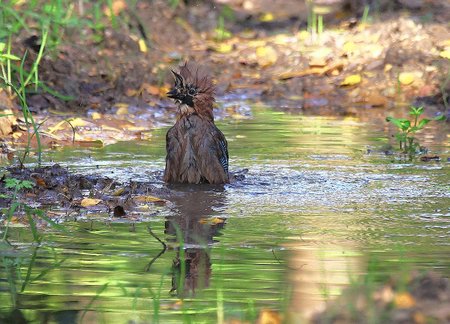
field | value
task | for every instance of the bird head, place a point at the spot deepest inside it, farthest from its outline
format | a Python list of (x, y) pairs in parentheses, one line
[(182, 91), (191, 86)]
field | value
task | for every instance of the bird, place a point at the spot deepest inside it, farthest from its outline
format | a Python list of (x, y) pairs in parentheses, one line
[(196, 150)]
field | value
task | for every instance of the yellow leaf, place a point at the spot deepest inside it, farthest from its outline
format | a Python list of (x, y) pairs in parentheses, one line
[(223, 48), (445, 54), (387, 67), (74, 122), (142, 46), (88, 202), (351, 80), (148, 199), (212, 221), (404, 300), (406, 78), (349, 47), (95, 115), (266, 17), (118, 192), (266, 55)]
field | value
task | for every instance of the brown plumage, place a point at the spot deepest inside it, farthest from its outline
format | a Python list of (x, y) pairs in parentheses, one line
[(197, 151)]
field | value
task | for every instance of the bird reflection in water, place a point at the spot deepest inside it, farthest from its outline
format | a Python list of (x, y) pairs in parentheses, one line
[(194, 229)]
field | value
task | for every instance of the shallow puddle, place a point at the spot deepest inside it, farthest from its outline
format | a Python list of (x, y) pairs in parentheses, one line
[(314, 213)]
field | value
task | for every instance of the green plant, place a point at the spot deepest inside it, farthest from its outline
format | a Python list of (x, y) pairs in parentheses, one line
[(365, 16), (5, 62), (221, 32), (408, 128)]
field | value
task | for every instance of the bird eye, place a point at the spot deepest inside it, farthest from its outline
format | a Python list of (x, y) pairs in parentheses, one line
[(192, 91)]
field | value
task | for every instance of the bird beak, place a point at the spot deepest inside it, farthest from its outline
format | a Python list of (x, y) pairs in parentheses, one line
[(172, 93)]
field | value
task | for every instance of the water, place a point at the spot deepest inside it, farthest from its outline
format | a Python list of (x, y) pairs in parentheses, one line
[(314, 213)]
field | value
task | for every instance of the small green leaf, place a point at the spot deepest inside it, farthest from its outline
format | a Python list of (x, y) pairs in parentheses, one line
[(10, 57), (423, 122), (26, 184), (416, 111), (440, 117), (11, 183), (2, 46), (401, 123)]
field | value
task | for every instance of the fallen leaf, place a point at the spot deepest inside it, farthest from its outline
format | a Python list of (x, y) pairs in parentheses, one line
[(211, 221), (267, 316), (374, 99), (122, 110), (404, 300), (142, 45), (332, 69), (88, 202), (406, 78), (7, 121), (387, 67), (148, 199), (445, 54), (115, 8), (40, 182), (351, 80), (266, 17), (153, 90), (96, 115), (118, 192), (266, 55), (223, 48)]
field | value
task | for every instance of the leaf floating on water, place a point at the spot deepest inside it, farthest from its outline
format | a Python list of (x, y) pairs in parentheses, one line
[(351, 80), (118, 192), (149, 199), (89, 202), (212, 221)]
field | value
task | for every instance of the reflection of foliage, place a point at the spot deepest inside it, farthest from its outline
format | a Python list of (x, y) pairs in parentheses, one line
[(407, 129)]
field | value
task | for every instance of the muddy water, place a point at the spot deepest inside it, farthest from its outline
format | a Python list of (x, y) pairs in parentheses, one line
[(314, 213)]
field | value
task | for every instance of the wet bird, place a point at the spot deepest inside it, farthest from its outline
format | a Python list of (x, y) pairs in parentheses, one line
[(197, 151)]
